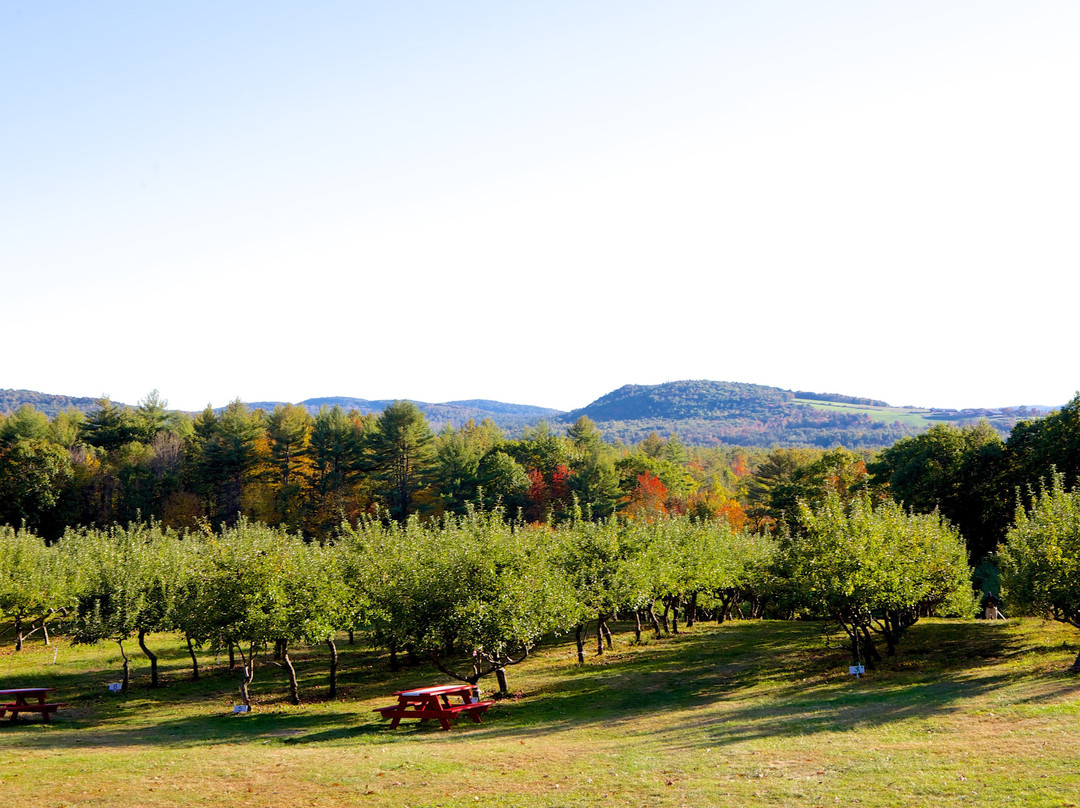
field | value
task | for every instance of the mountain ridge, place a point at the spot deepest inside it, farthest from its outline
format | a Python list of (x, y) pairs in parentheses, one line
[(701, 412)]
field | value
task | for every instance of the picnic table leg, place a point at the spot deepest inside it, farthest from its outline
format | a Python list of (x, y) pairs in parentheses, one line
[(396, 721)]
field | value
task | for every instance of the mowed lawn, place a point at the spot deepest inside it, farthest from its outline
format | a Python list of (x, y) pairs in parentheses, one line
[(744, 714)]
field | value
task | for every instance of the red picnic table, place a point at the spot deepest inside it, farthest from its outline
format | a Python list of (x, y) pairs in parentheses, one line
[(434, 702), (28, 700)]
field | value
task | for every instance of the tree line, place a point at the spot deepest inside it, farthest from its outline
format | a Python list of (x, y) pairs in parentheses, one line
[(308, 473)]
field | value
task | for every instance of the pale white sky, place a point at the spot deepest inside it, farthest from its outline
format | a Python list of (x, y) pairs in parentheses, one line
[(538, 203)]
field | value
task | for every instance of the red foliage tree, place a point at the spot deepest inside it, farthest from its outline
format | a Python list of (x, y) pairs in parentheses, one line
[(548, 496), (647, 499)]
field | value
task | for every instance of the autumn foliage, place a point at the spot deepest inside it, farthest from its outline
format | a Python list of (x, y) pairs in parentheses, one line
[(648, 499)]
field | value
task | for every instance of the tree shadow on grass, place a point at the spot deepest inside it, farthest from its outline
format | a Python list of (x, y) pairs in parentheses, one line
[(765, 680), (750, 679), (832, 708), (363, 675), (163, 716), (198, 730)]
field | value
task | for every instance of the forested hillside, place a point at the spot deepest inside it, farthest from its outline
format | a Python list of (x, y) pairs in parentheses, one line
[(511, 417), (11, 400), (735, 414)]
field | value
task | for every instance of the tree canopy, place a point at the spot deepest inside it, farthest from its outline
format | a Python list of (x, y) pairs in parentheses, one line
[(1040, 562)]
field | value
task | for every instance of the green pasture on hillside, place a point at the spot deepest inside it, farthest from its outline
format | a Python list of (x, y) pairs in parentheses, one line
[(911, 416), (744, 714)]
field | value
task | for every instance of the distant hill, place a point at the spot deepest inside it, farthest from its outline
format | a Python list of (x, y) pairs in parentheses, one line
[(677, 401), (509, 417), (731, 413), (700, 412), (11, 400)]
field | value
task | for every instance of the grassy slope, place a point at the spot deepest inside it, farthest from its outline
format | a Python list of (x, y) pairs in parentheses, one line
[(747, 714), (911, 416)]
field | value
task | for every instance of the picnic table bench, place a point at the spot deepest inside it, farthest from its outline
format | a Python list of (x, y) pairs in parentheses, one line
[(434, 702), (29, 700)]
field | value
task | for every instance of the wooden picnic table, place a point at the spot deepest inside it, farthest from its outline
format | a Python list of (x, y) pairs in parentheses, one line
[(434, 702), (28, 700)]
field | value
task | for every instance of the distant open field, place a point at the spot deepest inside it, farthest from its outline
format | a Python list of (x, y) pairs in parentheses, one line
[(744, 714), (912, 416)]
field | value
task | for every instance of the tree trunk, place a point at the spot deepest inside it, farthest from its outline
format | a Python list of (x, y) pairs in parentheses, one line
[(194, 659), (607, 635), (691, 610), (352, 638), (248, 677), (664, 616), (45, 632), (757, 606), (1076, 665), (127, 668), (863, 651), (294, 686), (892, 635), (18, 633), (675, 614), (652, 618), (579, 637), (600, 634), (637, 625), (333, 667), (500, 675), (395, 665), (856, 652), (724, 612), (151, 656), (872, 655), (232, 656)]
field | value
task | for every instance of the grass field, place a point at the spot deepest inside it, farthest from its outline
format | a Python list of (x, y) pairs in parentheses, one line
[(911, 416), (745, 714)]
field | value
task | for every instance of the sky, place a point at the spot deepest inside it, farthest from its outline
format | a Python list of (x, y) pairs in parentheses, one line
[(539, 202)]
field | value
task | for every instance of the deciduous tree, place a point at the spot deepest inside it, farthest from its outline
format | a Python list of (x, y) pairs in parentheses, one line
[(874, 570), (1040, 562)]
